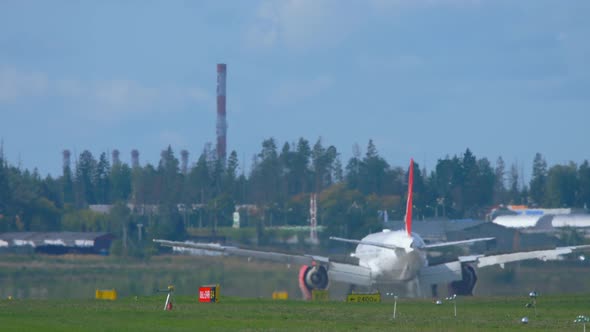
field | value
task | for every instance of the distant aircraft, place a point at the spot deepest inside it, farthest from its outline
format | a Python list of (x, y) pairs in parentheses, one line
[(388, 257)]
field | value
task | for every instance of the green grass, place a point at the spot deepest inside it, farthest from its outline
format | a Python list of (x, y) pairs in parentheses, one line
[(53, 293), (70, 276), (555, 313)]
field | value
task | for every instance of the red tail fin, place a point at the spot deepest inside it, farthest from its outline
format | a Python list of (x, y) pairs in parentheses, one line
[(409, 203)]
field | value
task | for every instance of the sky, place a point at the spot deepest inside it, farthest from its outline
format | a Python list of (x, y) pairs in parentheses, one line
[(421, 78)]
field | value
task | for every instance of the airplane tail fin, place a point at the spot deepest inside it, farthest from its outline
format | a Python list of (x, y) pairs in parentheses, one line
[(409, 203)]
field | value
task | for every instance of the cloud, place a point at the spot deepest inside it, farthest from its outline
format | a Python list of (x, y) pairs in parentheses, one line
[(107, 99), (290, 92), (300, 24), (401, 4), (265, 30), (69, 88), (123, 98), (304, 24), (394, 62), (123, 94), (15, 85), (172, 138), (197, 94)]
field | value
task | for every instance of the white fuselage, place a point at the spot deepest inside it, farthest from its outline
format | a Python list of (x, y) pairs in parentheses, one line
[(392, 265)]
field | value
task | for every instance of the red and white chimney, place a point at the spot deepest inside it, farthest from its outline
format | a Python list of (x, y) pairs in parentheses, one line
[(221, 121)]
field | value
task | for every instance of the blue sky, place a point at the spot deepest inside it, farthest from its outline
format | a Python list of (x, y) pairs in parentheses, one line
[(422, 78)]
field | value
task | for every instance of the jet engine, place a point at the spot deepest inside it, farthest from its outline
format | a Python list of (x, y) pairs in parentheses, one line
[(466, 285), (312, 277)]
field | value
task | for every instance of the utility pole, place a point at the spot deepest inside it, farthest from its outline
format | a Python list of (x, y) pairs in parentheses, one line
[(313, 211), (124, 239), (139, 226)]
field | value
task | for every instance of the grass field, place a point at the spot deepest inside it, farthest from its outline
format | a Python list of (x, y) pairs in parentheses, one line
[(55, 294), (76, 277), (554, 313)]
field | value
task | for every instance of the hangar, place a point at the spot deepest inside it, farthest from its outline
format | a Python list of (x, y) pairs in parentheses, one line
[(545, 223), (56, 243), (506, 239), (511, 233), (436, 230)]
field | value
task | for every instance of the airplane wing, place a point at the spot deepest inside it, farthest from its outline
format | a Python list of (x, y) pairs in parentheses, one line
[(235, 251), (440, 273), (348, 273), (545, 255), (451, 271)]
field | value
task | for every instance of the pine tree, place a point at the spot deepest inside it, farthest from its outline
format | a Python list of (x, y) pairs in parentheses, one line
[(499, 181), (539, 179)]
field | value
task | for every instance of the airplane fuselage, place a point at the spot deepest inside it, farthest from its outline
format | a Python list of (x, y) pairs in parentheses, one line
[(392, 265)]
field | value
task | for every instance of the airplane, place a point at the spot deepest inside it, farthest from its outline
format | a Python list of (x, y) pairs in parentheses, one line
[(389, 257)]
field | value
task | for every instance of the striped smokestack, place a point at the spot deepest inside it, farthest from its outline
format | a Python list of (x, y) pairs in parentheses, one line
[(66, 159), (221, 122), (115, 158), (184, 161), (134, 158)]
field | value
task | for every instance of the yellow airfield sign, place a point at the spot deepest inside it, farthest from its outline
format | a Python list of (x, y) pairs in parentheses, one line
[(320, 295), (106, 294), (280, 295), (364, 298)]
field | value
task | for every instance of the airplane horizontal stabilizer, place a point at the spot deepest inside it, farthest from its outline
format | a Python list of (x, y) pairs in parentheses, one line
[(455, 243), (368, 243)]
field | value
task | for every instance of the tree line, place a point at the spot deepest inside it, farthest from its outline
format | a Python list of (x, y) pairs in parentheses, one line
[(352, 198)]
